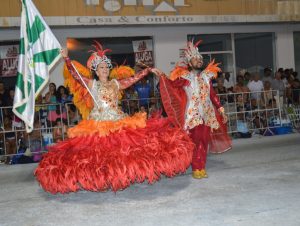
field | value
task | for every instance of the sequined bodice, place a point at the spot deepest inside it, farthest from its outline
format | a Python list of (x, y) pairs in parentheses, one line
[(106, 106)]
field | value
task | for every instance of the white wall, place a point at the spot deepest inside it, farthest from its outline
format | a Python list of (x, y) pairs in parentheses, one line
[(169, 39), (284, 48)]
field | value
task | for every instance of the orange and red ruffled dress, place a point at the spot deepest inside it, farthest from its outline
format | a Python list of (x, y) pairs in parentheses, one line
[(111, 150)]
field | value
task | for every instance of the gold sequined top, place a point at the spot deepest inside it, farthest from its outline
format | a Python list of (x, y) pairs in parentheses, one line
[(106, 95)]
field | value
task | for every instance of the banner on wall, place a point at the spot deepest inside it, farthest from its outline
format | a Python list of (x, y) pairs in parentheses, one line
[(9, 60), (143, 52)]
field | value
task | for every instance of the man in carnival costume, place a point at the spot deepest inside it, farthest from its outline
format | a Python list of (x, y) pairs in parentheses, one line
[(189, 99), (110, 149)]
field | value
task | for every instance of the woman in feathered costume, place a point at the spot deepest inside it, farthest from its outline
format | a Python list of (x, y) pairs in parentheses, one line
[(110, 150)]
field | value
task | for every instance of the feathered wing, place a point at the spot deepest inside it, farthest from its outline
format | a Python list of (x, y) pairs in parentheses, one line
[(174, 100), (213, 68), (81, 97), (121, 72), (219, 138)]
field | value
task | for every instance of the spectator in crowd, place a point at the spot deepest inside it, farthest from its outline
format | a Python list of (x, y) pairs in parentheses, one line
[(285, 76), (255, 87), (130, 100), (34, 139), (247, 78), (293, 92), (228, 83), (280, 70), (50, 98), (220, 89), (295, 75), (10, 137), (143, 89), (241, 104), (73, 114), (267, 75), (242, 125), (16, 121), (10, 97), (241, 88), (268, 94), (62, 97), (60, 130), (278, 84), (256, 117), (41, 111), (3, 93), (9, 101)]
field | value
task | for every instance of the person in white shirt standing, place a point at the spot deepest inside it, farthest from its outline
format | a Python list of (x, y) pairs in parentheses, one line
[(255, 87), (228, 83)]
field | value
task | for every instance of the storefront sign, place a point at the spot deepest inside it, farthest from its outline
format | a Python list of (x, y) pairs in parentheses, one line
[(8, 60), (143, 52)]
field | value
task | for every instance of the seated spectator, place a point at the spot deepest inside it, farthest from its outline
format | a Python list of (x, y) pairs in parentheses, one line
[(60, 130), (34, 140), (257, 117), (220, 89), (256, 86), (73, 115), (271, 104), (242, 130), (10, 138)]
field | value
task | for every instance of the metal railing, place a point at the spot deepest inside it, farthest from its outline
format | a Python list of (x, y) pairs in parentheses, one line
[(252, 112)]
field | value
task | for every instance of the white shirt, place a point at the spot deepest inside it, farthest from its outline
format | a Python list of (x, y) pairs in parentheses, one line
[(256, 87), (228, 84)]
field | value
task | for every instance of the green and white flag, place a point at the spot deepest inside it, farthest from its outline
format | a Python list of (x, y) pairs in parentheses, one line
[(39, 51)]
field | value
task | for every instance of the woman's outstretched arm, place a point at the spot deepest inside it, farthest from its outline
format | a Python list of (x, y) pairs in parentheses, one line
[(72, 70), (125, 83)]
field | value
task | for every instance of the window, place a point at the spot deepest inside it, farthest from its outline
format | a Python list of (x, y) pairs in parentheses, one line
[(254, 51)]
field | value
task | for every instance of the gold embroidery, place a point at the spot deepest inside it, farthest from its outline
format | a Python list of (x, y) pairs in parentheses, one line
[(107, 99)]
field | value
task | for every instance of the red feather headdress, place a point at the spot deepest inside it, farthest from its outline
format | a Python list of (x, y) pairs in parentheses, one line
[(98, 56)]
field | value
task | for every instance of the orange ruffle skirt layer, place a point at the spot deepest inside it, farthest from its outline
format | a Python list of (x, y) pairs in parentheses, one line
[(126, 155)]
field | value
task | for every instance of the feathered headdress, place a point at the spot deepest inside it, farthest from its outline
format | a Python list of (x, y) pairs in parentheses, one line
[(192, 51), (98, 57)]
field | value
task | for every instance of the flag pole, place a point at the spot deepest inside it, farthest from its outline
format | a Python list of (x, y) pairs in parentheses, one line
[(85, 85)]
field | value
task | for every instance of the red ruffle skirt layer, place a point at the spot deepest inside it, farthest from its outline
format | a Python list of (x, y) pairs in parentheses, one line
[(115, 161)]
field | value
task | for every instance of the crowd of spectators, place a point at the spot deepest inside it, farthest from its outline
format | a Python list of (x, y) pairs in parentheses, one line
[(256, 98)]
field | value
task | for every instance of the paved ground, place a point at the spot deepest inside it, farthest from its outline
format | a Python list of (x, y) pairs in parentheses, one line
[(256, 183)]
